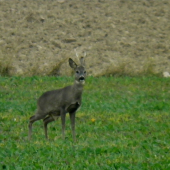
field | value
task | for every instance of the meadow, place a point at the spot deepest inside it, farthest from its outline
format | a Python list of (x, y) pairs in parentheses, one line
[(123, 124)]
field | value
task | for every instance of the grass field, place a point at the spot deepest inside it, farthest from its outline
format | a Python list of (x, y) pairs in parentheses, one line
[(124, 123)]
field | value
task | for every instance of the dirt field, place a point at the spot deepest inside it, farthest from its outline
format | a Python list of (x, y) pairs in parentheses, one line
[(120, 37)]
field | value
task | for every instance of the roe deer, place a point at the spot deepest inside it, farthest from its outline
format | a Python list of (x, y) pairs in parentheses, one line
[(55, 103)]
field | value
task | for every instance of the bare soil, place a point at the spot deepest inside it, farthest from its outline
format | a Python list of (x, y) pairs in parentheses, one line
[(124, 37)]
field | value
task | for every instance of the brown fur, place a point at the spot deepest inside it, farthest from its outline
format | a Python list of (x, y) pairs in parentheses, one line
[(53, 104)]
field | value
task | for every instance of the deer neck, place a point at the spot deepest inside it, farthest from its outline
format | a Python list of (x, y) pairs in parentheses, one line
[(78, 87)]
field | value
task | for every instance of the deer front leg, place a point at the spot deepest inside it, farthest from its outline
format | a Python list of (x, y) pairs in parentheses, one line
[(63, 117), (72, 119)]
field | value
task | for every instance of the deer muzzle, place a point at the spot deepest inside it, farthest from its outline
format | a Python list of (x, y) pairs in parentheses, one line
[(81, 79)]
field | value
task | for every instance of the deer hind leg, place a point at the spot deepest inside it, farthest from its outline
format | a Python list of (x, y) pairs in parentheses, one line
[(47, 120), (32, 120)]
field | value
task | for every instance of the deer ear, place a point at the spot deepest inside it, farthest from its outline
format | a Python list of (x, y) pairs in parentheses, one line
[(72, 64), (82, 62)]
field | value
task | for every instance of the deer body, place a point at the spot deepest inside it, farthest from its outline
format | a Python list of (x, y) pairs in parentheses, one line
[(53, 101), (56, 103)]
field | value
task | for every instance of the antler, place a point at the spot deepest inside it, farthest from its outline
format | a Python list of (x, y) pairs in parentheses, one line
[(76, 53), (84, 54)]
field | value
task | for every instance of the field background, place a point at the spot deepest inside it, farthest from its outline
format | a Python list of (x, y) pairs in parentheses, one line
[(120, 37), (125, 127), (124, 120)]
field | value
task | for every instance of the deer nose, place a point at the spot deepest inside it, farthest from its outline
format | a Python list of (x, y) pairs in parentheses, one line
[(81, 78)]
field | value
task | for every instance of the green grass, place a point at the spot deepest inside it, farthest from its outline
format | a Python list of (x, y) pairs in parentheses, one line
[(124, 123)]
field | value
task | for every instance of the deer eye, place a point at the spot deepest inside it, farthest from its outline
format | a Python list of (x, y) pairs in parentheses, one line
[(84, 72), (77, 72)]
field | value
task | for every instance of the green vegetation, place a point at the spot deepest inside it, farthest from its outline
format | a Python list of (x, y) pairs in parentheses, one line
[(119, 36), (122, 124)]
